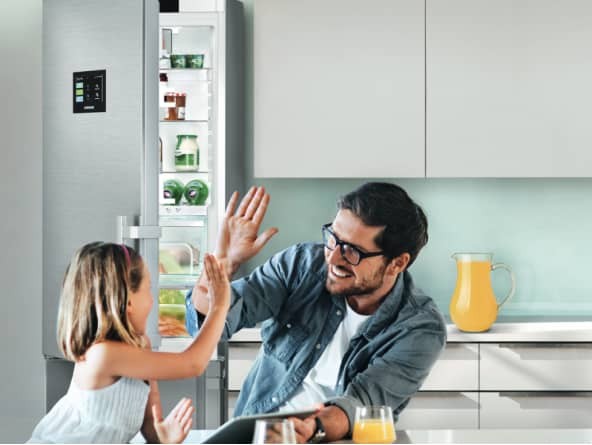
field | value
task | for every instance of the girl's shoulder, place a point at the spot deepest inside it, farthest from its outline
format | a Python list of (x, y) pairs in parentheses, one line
[(100, 356)]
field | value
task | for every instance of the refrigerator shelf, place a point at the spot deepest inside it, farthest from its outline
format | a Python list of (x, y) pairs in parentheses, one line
[(168, 210), (168, 70), (177, 281), (205, 121)]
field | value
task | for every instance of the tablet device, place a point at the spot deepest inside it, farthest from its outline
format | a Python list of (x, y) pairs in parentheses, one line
[(241, 428)]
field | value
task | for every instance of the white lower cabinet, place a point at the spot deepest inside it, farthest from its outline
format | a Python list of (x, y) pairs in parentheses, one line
[(232, 398), (457, 369), (484, 385), (441, 410), (536, 367), (536, 410)]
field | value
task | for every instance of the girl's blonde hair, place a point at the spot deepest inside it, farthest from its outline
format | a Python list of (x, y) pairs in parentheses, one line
[(94, 299)]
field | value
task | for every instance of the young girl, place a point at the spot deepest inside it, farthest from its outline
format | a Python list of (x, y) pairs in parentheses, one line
[(103, 311)]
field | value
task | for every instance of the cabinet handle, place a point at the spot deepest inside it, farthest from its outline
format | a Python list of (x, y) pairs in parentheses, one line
[(539, 394), (545, 345)]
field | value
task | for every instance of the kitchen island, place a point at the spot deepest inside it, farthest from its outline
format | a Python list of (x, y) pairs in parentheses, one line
[(526, 436)]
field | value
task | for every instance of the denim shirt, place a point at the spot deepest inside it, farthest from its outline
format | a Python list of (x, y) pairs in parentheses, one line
[(385, 364)]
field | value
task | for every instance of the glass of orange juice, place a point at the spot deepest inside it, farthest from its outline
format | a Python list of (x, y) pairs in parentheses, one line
[(374, 424)]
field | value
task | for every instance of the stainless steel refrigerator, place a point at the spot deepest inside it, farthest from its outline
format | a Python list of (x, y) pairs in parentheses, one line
[(102, 158)]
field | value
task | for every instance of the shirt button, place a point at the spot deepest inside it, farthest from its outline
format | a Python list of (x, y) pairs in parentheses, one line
[(289, 325), (338, 312), (318, 346)]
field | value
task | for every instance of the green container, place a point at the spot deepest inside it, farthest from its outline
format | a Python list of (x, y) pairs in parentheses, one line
[(178, 61), (196, 192), (187, 153), (194, 60), (173, 189)]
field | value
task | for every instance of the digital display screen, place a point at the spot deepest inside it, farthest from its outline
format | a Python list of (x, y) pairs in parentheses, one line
[(89, 90)]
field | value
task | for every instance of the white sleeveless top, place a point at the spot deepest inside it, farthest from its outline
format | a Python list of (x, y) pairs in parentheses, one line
[(113, 414)]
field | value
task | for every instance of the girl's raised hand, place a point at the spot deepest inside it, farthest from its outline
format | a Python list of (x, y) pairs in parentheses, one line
[(175, 428), (218, 284)]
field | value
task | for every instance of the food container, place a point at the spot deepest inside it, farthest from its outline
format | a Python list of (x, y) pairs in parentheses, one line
[(178, 61), (194, 60), (186, 153), (173, 189), (180, 100), (171, 106), (196, 192), (171, 313)]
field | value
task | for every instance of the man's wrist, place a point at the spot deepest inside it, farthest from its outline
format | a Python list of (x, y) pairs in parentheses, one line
[(319, 433)]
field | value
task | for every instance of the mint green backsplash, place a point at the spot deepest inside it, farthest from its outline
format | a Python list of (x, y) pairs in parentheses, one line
[(541, 228)]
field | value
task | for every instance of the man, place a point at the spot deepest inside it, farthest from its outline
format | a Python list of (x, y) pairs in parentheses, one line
[(344, 325)]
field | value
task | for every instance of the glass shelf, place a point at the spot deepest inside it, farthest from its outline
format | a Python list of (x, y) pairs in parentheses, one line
[(168, 70), (177, 281), (186, 120), (173, 210), (186, 172)]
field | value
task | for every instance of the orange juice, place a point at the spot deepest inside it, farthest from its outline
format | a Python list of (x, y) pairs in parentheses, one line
[(374, 431), (473, 307)]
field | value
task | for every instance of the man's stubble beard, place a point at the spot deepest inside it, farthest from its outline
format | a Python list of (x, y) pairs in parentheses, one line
[(367, 287)]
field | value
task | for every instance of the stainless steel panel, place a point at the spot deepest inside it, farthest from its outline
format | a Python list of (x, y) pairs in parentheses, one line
[(95, 163)]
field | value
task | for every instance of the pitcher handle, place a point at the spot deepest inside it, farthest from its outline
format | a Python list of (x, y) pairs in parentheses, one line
[(512, 277)]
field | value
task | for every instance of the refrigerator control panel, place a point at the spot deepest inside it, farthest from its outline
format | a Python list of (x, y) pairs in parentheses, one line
[(89, 89)]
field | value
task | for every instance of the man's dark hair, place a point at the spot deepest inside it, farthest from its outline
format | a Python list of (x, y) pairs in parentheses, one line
[(388, 205)]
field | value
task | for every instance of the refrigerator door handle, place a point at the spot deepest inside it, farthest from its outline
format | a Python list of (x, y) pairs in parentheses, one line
[(125, 230)]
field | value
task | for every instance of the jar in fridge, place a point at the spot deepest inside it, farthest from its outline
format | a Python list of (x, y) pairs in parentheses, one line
[(180, 100), (187, 153)]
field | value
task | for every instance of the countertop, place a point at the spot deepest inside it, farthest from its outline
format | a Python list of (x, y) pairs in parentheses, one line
[(463, 436), (500, 332)]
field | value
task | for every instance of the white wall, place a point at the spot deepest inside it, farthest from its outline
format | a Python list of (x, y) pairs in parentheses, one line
[(21, 368)]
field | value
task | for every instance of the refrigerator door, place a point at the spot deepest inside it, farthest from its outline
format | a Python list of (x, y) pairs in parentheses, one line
[(98, 166)]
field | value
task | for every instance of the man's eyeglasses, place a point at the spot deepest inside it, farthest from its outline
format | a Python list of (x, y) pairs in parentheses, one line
[(350, 253)]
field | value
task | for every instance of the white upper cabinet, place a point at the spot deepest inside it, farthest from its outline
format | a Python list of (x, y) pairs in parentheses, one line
[(339, 88), (509, 90)]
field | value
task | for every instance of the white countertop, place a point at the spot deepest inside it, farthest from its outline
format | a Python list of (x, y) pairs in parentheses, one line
[(460, 436), (559, 332)]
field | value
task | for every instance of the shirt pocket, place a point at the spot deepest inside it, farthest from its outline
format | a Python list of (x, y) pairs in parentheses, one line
[(284, 340)]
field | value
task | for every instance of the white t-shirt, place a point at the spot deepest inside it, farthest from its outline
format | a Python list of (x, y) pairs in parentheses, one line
[(320, 383)]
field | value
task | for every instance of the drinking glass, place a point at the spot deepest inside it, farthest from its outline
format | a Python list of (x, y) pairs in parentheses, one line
[(274, 431), (374, 424)]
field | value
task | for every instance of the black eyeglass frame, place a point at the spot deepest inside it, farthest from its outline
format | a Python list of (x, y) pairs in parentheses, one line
[(326, 228)]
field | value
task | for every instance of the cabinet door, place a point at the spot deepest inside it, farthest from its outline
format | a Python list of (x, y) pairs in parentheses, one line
[(339, 88), (536, 367), (508, 88), (457, 369), (241, 357), (441, 410), (536, 410)]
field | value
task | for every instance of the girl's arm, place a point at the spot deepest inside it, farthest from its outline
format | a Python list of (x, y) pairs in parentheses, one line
[(121, 359), (148, 430), (173, 429)]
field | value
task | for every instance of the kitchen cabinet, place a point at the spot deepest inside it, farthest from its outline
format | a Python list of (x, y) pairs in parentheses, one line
[(543, 409), (536, 367), (508, 88), (348, 89), (503, 378), (441, 410), (339, 88)]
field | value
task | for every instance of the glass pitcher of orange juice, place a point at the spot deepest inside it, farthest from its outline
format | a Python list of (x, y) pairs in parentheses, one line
[(374, 424), (473, 307)]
